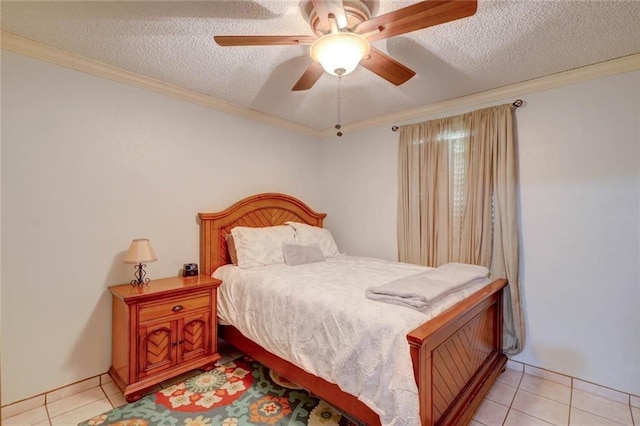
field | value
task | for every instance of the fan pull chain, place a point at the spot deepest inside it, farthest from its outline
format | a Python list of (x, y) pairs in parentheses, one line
[(339, 107)]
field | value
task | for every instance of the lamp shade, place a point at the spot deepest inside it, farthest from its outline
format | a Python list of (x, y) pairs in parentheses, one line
[(339, 53), (140, 251)]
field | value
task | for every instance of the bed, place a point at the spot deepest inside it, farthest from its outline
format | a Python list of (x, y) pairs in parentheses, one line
[(455, 356)]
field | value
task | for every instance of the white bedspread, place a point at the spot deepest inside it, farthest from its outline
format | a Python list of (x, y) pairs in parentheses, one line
[(317, 316)]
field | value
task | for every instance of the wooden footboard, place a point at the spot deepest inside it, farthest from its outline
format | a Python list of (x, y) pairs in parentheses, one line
[(456, 359)]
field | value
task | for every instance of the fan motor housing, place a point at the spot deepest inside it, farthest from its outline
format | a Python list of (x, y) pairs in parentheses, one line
[(356, 11)]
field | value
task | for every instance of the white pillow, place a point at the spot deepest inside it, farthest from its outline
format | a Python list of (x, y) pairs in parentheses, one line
[(308, 235), (261, 246)]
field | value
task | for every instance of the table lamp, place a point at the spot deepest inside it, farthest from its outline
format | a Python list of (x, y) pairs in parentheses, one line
[(140, 252)]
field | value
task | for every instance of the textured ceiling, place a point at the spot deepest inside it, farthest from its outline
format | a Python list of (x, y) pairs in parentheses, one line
[(505, 42)]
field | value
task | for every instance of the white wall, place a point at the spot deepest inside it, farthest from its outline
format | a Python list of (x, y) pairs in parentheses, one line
[(360, 185), (579, 158), (580, 179), (89, 164)]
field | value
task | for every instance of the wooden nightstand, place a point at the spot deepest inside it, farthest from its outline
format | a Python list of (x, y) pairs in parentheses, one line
[(161, 330)]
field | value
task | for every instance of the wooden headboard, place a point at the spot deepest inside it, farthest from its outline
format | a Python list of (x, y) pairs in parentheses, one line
[(268, 209)]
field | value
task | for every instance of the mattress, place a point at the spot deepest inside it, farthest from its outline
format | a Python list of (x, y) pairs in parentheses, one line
[(317, 316)]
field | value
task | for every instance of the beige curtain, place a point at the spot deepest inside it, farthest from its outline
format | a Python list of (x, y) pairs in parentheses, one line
[(457, 200)]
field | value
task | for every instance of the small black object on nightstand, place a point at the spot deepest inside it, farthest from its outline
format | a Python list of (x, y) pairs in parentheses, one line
[(190, 270)]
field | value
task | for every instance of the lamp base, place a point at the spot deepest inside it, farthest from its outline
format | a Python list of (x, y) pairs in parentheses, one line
[(140, 273)]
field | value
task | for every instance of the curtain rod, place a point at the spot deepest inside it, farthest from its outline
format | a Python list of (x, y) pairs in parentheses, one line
[(517, 103)]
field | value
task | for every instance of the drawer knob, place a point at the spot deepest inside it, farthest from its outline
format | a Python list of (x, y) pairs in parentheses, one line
[(177, 308)]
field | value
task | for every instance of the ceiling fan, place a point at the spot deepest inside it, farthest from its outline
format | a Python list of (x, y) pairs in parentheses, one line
[(344, 29)]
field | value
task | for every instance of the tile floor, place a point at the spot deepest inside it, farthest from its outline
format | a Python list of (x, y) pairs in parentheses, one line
[(522, 396), (528, 396)]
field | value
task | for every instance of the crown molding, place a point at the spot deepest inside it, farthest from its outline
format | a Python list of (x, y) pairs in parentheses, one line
[(43, 52), (590, 72), (23, 46)]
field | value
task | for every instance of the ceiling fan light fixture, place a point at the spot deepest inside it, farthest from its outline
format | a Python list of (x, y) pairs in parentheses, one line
[(339, 53)]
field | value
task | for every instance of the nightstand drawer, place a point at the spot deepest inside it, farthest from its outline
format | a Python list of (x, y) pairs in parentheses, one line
[(176, 305)]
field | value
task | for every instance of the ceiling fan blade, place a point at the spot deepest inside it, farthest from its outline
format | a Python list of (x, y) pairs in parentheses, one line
[(415, 17), (387, 67), (262, 40), (324, 8), (309, 78)]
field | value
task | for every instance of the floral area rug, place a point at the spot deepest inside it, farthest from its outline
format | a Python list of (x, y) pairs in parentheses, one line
[(236, 393)]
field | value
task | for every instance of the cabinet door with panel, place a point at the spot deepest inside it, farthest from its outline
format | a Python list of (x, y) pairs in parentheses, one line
[(193, 341), (157, 347), (162, 330)]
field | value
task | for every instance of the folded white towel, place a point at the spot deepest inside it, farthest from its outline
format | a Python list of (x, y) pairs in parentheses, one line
[(420, 290)]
